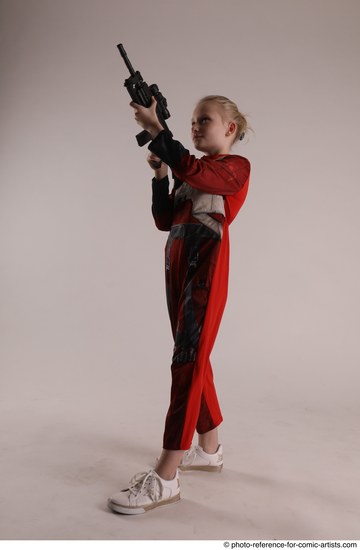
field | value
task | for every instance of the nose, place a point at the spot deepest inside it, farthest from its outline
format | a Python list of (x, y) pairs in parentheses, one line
[(194, 129)]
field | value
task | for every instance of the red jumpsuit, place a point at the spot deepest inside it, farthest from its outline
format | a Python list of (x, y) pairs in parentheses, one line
[(207, 194)]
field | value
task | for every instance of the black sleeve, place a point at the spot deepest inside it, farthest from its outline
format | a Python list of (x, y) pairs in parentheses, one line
[(162, 204), (168, 149)]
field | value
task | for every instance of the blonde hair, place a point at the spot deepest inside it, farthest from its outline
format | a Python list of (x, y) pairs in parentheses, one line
[(231, 112)]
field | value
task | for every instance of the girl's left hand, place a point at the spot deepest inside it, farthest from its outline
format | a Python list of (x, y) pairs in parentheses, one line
[(147, 118)]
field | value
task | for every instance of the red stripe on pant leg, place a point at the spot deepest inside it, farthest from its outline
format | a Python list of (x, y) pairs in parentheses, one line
[(210, 414), (208, 420)]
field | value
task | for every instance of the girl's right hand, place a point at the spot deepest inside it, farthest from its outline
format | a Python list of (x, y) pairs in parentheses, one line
[(159, 167)]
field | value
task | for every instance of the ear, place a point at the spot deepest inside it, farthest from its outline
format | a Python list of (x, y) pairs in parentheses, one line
[(231, 129)]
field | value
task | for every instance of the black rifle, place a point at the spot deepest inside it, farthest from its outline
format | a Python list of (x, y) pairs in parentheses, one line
[(142, 94)]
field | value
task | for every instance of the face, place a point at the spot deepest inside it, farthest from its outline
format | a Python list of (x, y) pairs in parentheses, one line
[(210, 133)]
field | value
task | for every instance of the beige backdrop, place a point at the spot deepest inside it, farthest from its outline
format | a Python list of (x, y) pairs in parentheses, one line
[(85, 338)]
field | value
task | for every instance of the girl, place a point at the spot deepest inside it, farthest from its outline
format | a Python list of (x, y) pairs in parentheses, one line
[(206, 196)]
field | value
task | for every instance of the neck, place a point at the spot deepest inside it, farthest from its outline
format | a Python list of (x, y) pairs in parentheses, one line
[(221, 152)]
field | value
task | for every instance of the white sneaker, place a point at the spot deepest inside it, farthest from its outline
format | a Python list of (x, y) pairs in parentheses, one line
[(196, 459), (146, 491)]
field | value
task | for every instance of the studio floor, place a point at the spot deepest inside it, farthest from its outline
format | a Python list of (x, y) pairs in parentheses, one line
[(289, 473)]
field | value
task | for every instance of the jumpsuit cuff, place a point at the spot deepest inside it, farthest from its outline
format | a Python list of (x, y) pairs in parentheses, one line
[(168, 149)]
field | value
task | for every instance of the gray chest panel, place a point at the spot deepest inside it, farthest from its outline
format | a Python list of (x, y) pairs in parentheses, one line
[(203, 204)]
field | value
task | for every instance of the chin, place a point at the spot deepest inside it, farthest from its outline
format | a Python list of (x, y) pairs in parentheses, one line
[(201, 149)]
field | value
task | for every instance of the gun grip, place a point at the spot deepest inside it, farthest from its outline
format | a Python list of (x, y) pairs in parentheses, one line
[(143, 138)]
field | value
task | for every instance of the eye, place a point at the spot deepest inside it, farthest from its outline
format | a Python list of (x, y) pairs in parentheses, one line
[(204, 119)]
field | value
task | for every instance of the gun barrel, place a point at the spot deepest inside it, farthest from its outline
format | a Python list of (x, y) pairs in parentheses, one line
[(126, 59)]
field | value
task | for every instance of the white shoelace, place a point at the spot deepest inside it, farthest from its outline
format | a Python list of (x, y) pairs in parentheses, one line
[(146, 483)]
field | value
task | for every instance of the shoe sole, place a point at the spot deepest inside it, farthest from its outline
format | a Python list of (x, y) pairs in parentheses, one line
[(201, 468), (135, 510)]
